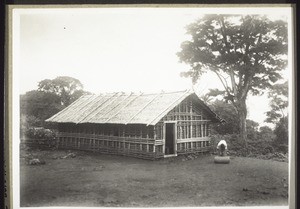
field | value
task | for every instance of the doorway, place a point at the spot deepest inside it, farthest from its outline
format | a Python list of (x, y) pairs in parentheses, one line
[(170, 139)]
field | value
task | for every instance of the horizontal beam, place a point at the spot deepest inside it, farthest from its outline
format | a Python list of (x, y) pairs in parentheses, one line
[(193, 120), (198, 139), (104, 137)]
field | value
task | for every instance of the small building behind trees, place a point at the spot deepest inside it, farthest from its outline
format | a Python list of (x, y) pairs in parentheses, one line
[(147, 126)]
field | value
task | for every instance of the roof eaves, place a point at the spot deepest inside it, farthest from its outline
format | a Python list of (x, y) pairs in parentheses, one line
[(79, 100)]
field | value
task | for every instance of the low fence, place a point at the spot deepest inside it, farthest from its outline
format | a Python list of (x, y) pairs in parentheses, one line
[(136, 147), (193, 147), (144, 148), (40, 143)]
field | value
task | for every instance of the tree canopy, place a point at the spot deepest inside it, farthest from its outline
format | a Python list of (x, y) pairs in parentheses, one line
[(67, 88), (247, 54), (51, 96), (37, 106), (228, 113), (278, 104)]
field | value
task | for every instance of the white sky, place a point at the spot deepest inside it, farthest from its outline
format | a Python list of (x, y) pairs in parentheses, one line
[(114, 49)]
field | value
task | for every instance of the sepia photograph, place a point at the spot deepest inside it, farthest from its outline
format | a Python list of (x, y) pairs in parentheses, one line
[(152, 106)]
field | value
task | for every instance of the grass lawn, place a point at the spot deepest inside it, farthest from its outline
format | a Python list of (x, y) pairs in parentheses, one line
[(92, 179)]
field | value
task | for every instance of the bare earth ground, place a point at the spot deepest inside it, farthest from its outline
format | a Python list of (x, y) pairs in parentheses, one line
[(92, 179)]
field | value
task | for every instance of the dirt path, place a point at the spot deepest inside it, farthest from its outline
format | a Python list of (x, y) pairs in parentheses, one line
[(102, 180)]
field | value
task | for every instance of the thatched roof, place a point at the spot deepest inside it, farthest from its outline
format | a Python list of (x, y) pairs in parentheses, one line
[(121, 108)]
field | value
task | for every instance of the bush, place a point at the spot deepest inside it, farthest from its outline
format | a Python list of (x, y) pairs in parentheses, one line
[(232, 140), (283, 148), (237, 147), (40, 133)]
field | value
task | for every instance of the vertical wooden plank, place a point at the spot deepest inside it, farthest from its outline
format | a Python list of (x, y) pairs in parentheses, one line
[(183, 131), (200, 131), (163, 131), (178, 132), (175, 138), (163, 137), (178, 129), (191, 118), (208, 129), (147, 132), (191, 129), (186, 129), (133, 131)]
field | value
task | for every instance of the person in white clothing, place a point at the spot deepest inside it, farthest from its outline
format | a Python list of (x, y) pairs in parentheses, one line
[(222, 148)]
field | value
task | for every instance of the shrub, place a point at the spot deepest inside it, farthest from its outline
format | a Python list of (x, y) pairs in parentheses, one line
[(283, 148), (238, 148), (40, 133), (232, 140)]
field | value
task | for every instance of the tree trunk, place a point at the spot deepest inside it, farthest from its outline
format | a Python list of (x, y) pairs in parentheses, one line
[(242, 112)]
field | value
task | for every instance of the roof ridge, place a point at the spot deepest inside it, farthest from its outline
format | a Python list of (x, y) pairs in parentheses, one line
[(122, 108), (143, 93)]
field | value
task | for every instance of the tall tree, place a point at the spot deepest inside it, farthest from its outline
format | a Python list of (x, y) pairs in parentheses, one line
[(278, 104), (281, 132), (228, 113), (246, 53), (37, 106), (278, 114), (67, 88), (252, 129), (266, 133)]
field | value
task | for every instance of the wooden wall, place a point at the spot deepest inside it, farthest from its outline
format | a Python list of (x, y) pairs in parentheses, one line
[(192, 127), (130, 140), (138, 140)]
